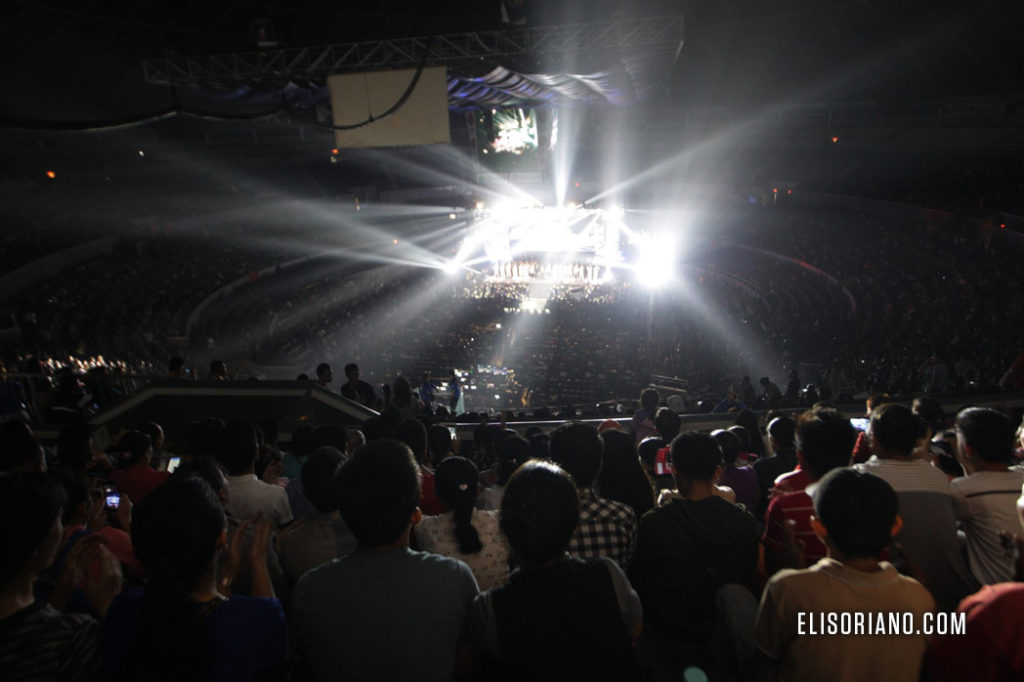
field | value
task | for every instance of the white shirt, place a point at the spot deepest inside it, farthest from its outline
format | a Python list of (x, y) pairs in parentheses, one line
[(250, 496), (490, 565), (986, 503)]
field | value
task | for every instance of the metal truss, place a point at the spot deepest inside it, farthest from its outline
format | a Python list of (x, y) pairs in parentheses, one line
[(276, 67)]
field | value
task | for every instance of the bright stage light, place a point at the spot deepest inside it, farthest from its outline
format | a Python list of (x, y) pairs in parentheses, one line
[(655, 265), (452, 267)]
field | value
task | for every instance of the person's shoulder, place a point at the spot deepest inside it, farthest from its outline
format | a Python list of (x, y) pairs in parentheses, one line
[(428, 562), (614, 507), (254, 607)]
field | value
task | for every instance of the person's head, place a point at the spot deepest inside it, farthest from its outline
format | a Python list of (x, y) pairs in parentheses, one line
[(211, 471), (824, 441), (742, 435), (456, 481), (237, 449), (80, 495), (512, 452), (729, 444), (134, 447), (20, 450), (895, 430), (320, 478), (647, 451), (74, 447), (781, 432), (354, 439), (30, 514), (378, 490), (667, 423), (856, 514), (439, 442), (155, 433), (177, 530), (539, 512), (930, 411), (696, 458), (324, 375), (413, 433), (985, 436), (352, 372), (576, 448), (764, 381), (328, 435), (649, 399), (176, 366), (218, 369), (876, 400)]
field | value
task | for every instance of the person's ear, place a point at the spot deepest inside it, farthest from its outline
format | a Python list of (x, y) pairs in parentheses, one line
[(222, 539), (800, 460), (416, 517), (718, 473), (897, 526), (819, 528)]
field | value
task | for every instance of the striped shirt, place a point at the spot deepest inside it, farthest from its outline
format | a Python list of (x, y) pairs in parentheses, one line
[(41, 643), (799, 507), (986, 503)]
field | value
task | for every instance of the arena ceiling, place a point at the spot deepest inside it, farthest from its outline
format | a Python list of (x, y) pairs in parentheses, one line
[(82, 59)]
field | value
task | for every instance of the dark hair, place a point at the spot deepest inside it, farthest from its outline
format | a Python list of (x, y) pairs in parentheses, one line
[(302, 440), (896, 428), (729, 444), (413, 433), (783, 430), (742, 435), (667, 423), (988, 432), (270, 427), (378, 490), (930, 411), (206, 468), (30, 504), (539, 445), (825, 439), (320, 478), (539, 511), (577, 448), (218, 367), (237, 448), (375, 428), (512, 452), (20, 450), (622, 478), (439, 442), (153, 430), (133, 446), (695, 456), (649, 399), (858, 510), (175, 532), (76, 489), (73, 449), (330, 436), (456, 480), (351, 367), (647, 451), (322, 369), (175, 364), (748, 420)]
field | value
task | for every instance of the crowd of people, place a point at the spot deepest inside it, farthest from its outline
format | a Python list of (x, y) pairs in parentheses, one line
[(784, 548)]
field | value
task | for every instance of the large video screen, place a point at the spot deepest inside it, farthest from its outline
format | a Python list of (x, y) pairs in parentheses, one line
[(508, 139)]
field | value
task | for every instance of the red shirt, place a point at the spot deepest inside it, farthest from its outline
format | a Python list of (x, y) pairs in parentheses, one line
[(138, 480), (792, 482), (430, 504), (992, 647), (799, 507)]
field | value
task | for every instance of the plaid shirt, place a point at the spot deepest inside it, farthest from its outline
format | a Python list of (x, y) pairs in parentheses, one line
[(607, 528)]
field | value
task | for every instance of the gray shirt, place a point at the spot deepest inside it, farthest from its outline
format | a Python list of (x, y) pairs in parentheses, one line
[(383, 615)]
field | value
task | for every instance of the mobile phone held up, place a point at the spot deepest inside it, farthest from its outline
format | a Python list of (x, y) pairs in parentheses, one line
[(111, 496), (661, 467)]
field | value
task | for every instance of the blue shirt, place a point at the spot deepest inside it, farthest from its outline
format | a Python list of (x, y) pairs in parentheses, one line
[(248, 636)]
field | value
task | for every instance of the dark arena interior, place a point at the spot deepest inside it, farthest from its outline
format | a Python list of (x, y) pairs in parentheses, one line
[(541, 231)]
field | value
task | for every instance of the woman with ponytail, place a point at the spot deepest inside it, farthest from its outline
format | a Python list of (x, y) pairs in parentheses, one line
[(185, 625), (464, 532)]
